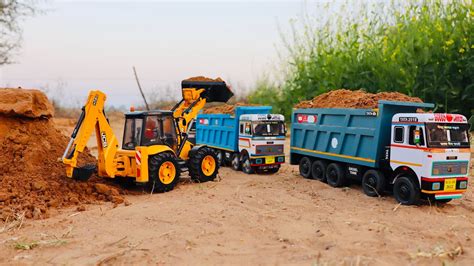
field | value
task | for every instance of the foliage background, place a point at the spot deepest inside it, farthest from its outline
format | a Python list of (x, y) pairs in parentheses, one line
[(420, 48)]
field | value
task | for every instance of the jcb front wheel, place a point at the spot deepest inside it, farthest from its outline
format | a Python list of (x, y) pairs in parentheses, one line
[(163, 172), (203, 165)]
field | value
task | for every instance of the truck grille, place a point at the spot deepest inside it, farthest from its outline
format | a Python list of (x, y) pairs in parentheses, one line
[(449, 168), (269, 149)]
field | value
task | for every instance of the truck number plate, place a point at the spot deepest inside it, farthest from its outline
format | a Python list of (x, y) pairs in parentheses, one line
[(270, 160), (450, 184)]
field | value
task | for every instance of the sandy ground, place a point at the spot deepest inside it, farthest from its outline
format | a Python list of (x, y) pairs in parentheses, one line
[(250, 219)]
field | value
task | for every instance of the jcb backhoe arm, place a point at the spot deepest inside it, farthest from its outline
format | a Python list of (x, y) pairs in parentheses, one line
[(92, 118)]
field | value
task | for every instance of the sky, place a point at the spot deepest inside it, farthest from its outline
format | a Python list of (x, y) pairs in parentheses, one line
[(74, 47)]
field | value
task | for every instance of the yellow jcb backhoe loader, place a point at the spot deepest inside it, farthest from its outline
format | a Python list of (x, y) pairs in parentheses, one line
[(157, 145)]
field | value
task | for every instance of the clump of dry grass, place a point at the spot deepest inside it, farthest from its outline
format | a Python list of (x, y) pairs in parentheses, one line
[(440, 252)]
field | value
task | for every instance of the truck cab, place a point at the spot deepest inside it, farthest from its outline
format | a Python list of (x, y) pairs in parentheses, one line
[(436, 148), (261, 141)]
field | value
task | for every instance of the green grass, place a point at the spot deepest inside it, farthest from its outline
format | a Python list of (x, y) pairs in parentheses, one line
[(420, 48)]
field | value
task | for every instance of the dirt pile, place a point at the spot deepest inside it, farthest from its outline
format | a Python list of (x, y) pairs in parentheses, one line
[(354, 99), (28, 103), (202, 78), (32, 177), (225, 108)]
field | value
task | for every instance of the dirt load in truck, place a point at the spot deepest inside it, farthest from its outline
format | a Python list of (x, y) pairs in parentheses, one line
[(359, 99)]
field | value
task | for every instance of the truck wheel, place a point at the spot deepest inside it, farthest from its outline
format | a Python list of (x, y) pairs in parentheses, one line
[(318, 170), (220, 158), (373, 183), (406, 191), (163, 172), (335, 175), (235, 161), (203, 165), (246, 167), (305, 167), (443, 201)]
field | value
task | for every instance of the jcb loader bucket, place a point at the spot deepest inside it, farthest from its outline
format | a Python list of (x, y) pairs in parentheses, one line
[(216, 91)]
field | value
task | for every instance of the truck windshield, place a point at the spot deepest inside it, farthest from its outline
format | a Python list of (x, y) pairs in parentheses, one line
[(268, 128), (448, 135)]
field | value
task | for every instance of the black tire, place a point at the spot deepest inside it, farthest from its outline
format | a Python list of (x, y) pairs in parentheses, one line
[(443, 201), (373, 183), (235, 161), (406, 191), (220, 157), (197, 162), (155, 162), (305, 167), (246, 167), (335, 175), (318, 170), (269, 171)]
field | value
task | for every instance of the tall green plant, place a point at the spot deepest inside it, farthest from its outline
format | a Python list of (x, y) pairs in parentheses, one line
[(422, 48)]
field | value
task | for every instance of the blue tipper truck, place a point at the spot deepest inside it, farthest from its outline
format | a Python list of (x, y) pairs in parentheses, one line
[(417, 154), (251, 139)]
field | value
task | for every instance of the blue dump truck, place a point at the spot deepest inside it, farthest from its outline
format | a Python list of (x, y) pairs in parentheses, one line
[(251, 139), (416, 154)]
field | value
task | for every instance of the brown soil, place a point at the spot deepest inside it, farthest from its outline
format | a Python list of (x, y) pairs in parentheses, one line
[(354, 99), (32, 177), (26, 103), (202, 78), (225, 108)]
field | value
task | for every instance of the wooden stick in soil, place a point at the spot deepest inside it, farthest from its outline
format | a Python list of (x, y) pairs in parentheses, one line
[(140, 88)]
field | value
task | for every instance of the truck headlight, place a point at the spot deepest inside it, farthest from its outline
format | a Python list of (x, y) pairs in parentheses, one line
[(463, 184), (258, 161), (281, 159), (436, 186)]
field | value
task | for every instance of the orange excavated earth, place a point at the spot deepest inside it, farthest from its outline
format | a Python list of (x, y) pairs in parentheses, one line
[(224, 108), (202, 78), (28, 103), (32, 177), (354, 99)]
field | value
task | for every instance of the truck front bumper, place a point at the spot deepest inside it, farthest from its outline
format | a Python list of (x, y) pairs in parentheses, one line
[(444, 188), (267, 160)]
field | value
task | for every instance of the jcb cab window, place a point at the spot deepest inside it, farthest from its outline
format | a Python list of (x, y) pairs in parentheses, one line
[(132, 134), (417, 136)]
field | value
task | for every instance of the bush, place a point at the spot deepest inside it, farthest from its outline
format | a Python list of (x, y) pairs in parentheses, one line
[(423, 49)]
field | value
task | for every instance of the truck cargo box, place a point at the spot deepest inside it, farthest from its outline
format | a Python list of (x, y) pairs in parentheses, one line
[(221, 130), (356, 136)]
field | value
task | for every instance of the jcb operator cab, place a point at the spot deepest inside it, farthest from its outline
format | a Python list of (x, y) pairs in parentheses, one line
[(149, 128)]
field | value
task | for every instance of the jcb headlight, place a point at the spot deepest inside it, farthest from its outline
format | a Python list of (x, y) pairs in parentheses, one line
[(463, 184), (436, 186)]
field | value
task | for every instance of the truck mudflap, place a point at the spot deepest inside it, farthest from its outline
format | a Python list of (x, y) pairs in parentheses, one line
[(444, 188), (267, 160)]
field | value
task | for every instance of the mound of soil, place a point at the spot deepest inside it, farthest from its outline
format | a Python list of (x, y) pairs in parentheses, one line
[(225, 108), (32, 176), (26, 103), (202, 78), (354, 99)]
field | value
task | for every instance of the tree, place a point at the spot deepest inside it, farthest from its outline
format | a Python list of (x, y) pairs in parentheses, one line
[(12, 13)]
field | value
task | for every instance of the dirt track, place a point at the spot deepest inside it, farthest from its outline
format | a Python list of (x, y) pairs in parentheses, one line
[(278, 219), (247, 219)]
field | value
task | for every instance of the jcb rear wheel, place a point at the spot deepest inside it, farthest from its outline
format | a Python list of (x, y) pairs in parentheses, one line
[(163, 172), (203, 165)]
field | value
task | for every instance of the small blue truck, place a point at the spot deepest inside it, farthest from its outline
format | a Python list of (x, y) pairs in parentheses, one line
[(417, 154), (251, 139)]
